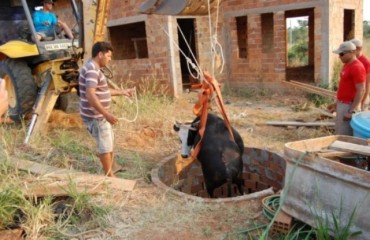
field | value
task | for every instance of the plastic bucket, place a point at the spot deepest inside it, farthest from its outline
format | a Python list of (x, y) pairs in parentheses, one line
[(360, 124)]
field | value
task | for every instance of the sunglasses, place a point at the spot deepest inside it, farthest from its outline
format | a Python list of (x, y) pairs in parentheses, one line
[(342, 54)]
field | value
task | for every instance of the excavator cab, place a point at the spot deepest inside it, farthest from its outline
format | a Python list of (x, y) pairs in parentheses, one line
[(17, 27), (179, 7), (38, 72)]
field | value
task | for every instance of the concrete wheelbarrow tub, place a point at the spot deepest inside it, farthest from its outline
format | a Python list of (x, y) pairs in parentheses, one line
[(318, 188), (263, 174)]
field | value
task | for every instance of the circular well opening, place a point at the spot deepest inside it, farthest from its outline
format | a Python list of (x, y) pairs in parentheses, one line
[(263, 174)]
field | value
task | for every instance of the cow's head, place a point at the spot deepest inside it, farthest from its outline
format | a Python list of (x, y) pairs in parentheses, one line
[(186, 133)]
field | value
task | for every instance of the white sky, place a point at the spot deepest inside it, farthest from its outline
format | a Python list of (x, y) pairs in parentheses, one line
[(367, 10)]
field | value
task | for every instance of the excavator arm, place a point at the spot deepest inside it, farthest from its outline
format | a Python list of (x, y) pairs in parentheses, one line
[(179, 7)]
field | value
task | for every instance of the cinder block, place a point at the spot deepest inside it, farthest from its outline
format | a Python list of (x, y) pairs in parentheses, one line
[(282, 223)]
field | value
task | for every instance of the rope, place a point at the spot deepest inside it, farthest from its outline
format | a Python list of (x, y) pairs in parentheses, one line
[(188, 60), (195, 65), (215, 44), (137, 109)]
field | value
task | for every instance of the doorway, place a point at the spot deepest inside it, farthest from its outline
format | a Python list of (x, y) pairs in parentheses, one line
[(300, 64), (186, 35)]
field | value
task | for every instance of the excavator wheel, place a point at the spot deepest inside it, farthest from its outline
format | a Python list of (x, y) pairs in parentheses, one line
[(21, 87)]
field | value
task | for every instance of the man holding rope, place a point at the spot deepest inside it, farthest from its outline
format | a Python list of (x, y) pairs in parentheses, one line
[(95, 98)]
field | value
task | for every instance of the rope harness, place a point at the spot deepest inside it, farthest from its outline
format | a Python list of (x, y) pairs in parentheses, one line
[(210, 89)]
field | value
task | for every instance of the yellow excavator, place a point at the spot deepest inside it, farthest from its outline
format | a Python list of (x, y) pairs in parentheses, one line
[(39, 73)]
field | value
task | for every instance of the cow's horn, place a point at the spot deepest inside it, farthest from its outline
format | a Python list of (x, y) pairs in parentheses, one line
[(196, 124), (193, 128)]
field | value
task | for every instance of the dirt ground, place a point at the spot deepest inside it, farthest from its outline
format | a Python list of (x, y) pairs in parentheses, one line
[(148, 212)]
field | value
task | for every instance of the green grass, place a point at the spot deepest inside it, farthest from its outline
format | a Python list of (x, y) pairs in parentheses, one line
[(329, 225), (65, 149)]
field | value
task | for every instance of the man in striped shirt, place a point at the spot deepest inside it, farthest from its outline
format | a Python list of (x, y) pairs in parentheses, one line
[(95, 98)]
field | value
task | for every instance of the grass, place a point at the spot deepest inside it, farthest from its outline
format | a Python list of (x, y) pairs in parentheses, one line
[(331, 224), (139, 146)]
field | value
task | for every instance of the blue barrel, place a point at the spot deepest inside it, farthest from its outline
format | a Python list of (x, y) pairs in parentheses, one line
[(360, 124)]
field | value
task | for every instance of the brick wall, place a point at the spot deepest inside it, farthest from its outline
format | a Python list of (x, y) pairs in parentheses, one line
[(260, 66)]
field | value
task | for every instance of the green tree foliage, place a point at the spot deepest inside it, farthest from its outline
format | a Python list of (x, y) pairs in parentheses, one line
[(366, 29), (298, 44)]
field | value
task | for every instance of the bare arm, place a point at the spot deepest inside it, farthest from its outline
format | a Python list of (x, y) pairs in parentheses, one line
[(66, 29), (360, 90), (122, 92), (95, 103), (367, 90), (3, 97)]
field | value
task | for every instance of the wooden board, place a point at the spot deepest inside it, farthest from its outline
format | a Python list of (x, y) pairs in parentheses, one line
[(350, 147), (312, 89), (84, 181), (325, 112), (333, 153), (53, 187), (303, 124)]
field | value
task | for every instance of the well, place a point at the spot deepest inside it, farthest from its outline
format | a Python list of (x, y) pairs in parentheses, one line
[(263, 174)]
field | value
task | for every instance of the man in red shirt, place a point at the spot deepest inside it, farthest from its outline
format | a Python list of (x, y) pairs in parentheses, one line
[(350, 90), (366, 62)]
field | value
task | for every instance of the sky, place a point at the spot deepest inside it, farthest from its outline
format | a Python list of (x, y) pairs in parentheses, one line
[(367, 10)]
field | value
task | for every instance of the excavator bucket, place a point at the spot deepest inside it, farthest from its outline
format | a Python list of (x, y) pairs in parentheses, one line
[(179, 7)]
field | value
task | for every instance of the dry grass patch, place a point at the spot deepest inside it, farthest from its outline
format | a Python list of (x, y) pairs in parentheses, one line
[(147, 212)]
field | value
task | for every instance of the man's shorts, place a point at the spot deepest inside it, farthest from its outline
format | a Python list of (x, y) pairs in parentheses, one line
[(47, 33), (102, 131)]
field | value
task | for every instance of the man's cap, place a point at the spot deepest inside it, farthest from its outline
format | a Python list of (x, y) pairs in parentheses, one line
[(48, 1), (345, 47), (357, 42)]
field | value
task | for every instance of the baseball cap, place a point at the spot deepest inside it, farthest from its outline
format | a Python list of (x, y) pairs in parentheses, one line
[(357, 42), (345, 47), (48, 1)]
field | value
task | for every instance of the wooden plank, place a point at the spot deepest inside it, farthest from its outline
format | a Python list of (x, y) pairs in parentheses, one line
[(322, 91), (350, 147), (65, 174), (325, 112), (59, 188), (303, 124), (333, 153), (312, 89)]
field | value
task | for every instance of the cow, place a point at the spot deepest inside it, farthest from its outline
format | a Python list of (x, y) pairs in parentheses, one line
[(220, 156)]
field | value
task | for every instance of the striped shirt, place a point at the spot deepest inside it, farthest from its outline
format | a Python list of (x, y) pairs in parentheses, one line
[(92, 77)]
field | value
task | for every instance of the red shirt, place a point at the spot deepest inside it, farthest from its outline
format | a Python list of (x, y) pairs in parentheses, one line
[(366, 62), (352, 73)]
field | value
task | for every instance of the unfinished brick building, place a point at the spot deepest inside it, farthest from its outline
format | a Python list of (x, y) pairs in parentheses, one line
[(253, 35)]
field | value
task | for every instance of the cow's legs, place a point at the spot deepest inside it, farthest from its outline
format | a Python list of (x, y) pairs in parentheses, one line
[(239, 183), (229, 187), (210, 188)]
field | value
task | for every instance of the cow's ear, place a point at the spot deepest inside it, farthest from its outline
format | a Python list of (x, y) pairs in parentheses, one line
[(176, 128)]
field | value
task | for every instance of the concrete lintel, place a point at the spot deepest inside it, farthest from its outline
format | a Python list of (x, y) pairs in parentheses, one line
[(127, 20), (279, 8)]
